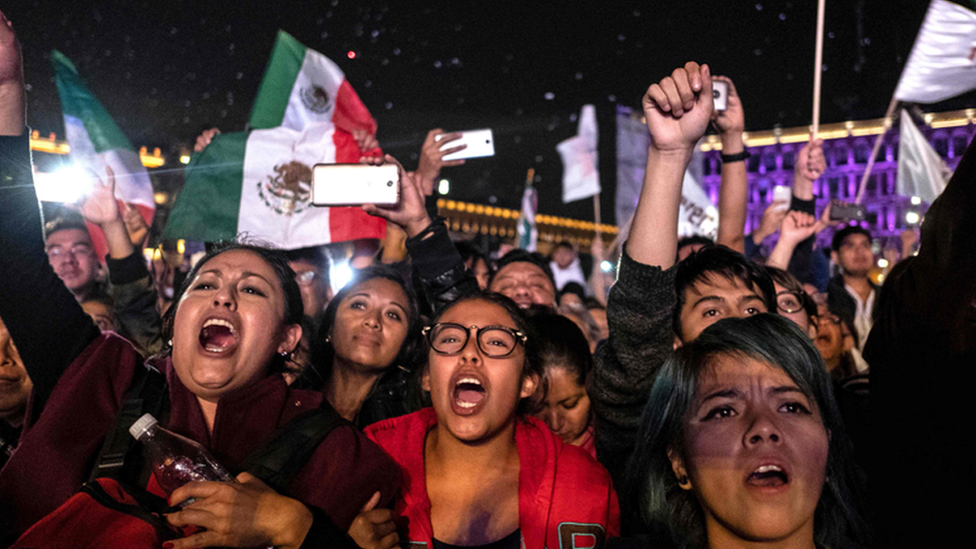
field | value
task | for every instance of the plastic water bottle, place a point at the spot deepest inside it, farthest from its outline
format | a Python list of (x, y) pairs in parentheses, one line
[(176, 460)]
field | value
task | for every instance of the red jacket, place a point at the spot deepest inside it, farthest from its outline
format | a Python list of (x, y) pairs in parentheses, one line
[(57, 449), (566, 499)]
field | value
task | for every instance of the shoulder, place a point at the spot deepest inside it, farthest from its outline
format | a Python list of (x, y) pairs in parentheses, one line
[(397, 431), (573, 464)]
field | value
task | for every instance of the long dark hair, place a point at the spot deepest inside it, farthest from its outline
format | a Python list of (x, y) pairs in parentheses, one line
[(672, 513), (276, 259), (323, 352)]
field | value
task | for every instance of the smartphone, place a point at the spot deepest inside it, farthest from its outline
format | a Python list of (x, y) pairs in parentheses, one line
[(720, 93), (847, 212), (782, 193), (480, 144), (355, 184)]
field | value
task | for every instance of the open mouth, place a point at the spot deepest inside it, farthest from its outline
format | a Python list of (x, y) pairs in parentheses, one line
[(768, 476), (468, 395), (218, 336)]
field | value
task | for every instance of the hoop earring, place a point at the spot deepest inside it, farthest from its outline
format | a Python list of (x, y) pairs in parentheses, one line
[(682, 480)]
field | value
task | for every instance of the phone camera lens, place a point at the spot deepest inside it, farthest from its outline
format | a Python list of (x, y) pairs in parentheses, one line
[(389, 183)]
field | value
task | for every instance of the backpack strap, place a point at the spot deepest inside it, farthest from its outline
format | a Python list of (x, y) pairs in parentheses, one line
[(146, 395), (280, 460)]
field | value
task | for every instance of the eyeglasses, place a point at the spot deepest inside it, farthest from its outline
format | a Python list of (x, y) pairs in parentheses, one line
[(447, 338), (789, 302)]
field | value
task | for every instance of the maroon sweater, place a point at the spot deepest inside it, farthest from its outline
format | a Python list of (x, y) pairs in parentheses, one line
[(80, 378)]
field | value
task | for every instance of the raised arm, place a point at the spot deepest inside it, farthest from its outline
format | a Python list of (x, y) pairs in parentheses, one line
[(678, 111), (641, 303), (733, 192), (44, 320), (132, 286), (435, 259), (797, 227)]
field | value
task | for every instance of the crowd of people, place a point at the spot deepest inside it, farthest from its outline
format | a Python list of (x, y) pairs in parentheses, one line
[(714, 394)]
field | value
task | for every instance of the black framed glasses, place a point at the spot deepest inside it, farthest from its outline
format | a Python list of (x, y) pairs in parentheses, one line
[(447, 338), (789, 302)]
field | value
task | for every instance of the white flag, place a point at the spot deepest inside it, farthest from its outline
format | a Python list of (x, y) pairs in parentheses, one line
[(921, 171), (581, 172), (698, 216), (528, 234), (943, 60)]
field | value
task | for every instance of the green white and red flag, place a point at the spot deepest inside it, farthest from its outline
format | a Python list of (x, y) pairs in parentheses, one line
[(258, 182), (96, 142)]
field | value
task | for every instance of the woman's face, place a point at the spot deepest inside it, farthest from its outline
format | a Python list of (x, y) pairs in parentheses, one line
[(830, 337), (15, 384), (476, 396), (229, 324), (755, 452), (566, 409), (786, 300), (371, 324)]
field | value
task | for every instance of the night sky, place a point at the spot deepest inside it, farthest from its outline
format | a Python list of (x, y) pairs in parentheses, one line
[(165, 70)]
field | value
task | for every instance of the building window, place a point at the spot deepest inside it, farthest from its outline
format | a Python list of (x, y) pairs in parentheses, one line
[(861, 153), (941, 146), (959, 144), (789, 158)]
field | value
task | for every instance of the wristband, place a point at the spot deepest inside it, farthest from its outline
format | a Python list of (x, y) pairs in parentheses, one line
[(739, 157)]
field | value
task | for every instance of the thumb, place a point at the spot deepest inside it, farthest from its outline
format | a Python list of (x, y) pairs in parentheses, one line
[(372, 503)]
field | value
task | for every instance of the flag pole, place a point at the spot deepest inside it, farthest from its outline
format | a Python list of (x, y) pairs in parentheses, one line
[(596, 213), (818, 67), (885, 123)]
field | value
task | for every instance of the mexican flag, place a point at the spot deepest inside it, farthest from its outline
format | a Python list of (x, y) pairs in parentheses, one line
[(96, 142), (259, 182), (943, 60)]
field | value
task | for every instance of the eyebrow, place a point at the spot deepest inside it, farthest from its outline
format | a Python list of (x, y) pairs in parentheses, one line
[(786, 389), (708, 298), (245, 274), (750, 297), (364, 294), (722, 393)]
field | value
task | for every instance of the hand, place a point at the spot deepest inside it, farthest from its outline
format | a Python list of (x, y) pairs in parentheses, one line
[(135, 225), (810, 163), (11, 58), (772, 219), (365, 141), (205, 138), (243, 514), (733, 118), (374, 528), (797, 227), (432, 157), (12, 98), (678, 109), (410, 212), (100, 207), (825, 220), (908, 238)]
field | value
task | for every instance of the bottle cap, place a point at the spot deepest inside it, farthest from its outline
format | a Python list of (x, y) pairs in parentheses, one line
[(142, 425)]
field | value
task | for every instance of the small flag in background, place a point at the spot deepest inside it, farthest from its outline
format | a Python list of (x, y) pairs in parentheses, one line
[(581, 172), (943, 60), (528, 234), (259, 182), (921, 171), (96, 142)]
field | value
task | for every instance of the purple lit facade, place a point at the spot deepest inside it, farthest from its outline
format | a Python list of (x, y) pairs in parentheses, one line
[(847, 158)]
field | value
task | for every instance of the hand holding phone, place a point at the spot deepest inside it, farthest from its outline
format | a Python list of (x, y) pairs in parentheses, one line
[(409, 213), (840, 211), (477, 144), (354, 184), (720, 93), (783, 195)]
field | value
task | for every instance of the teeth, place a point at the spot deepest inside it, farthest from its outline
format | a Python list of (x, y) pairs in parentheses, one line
[(467, 404), (220, 322), (470, 380), (768, 468)]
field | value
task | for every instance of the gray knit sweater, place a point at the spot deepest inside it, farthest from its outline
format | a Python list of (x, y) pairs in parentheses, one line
[(639, 312)]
